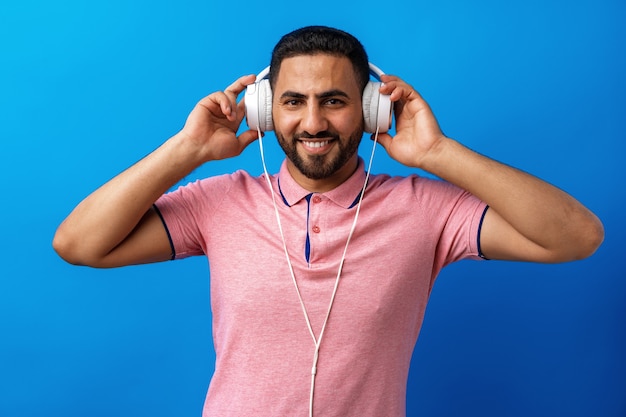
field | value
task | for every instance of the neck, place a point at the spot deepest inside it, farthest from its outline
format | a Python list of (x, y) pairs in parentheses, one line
[(325, 184)]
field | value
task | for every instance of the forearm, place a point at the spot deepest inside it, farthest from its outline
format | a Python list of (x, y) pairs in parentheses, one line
[(528, 219), (540, 212), (108, 216)]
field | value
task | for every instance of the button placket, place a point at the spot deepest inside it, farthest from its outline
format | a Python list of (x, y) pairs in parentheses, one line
[(316, 200), (316, 216)]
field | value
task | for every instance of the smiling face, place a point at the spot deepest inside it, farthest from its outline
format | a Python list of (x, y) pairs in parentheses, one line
[(318, 119)]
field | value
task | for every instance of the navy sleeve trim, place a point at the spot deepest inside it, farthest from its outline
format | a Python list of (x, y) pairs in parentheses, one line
[(167, 231), (480, 227)]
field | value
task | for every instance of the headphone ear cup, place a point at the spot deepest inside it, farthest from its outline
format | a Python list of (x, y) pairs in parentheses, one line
[(258, 100), (265, 106), (370, 107), (376, 109)]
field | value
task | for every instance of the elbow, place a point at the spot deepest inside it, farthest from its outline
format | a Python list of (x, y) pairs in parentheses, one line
[(576, 242), (72, 249), (594, 236), (588, 239), (65, 248)]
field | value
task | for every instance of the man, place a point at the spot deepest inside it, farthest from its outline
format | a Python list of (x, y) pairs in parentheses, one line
[(291, 338)]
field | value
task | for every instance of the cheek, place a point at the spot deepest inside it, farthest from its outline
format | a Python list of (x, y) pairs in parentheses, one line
[(284, 121), (346, 123)]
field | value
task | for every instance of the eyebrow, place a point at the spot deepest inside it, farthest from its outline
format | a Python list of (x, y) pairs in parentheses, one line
[(325, 94)]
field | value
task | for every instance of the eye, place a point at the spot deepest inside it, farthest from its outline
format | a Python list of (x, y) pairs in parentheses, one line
[(334, 102), (292, 102)]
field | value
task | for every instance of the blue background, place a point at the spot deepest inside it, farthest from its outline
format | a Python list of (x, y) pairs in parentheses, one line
[(88, 88)]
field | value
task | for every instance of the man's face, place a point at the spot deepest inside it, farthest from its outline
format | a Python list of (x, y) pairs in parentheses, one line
[(318, 118)]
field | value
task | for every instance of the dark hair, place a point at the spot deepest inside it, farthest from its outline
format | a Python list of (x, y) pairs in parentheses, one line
[(312, 40)]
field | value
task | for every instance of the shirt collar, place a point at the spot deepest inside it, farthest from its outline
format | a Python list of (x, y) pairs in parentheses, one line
[(345, 195)]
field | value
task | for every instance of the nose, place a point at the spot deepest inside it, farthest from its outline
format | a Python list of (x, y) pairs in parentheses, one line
[(313, 120)]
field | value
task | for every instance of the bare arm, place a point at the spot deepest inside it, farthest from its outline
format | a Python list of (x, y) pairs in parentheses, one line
[(116, 225), (528, 219)]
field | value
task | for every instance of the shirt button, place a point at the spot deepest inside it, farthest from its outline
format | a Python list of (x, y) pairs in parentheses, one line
[(317, 199), (316, 229)]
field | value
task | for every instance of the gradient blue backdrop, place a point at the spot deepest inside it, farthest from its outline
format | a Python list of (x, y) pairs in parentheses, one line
[(87, 88)]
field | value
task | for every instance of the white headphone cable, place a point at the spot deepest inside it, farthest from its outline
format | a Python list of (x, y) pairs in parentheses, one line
[(316, 341)]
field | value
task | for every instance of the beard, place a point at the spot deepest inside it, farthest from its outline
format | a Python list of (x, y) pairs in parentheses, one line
[(319, 167)]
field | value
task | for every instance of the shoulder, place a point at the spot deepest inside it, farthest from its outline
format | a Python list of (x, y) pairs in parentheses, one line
[(211, 192), (415, 184), (224, 183), (424, 194)]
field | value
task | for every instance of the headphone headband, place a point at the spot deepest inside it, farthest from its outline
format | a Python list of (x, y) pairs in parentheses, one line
[(263, 74)]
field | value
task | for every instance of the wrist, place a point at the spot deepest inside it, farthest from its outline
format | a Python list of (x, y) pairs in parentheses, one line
[(434, 158), (185, 152)]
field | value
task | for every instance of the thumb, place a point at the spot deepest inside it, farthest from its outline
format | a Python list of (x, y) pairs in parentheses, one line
[(384, 139), (247, 137)]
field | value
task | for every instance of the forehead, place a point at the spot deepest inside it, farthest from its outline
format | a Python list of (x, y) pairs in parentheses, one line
[(316, 73)]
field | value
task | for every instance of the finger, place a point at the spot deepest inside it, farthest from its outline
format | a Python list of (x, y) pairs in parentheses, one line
[(389, 77), (233, 90), (241, 110), (240, 84), (394, 89), (217, 103), (387, 83), (397, 88), (402, 93)]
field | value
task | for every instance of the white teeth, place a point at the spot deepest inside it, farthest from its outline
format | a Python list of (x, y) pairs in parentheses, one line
[(315, 144)]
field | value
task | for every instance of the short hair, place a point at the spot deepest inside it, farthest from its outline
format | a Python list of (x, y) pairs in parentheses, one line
[(313, 40)]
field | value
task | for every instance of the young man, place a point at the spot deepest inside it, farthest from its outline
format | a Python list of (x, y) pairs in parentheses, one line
[(303, 321)]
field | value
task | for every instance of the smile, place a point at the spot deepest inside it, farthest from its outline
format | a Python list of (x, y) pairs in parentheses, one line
[(316, 144)]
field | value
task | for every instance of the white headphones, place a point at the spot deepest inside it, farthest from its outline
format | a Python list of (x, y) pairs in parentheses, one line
[(377, 108)]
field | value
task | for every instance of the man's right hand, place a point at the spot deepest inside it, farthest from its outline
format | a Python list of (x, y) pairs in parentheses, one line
[(212, 125)]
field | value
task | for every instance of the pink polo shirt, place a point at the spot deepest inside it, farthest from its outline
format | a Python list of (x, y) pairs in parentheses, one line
[(408, 229)]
